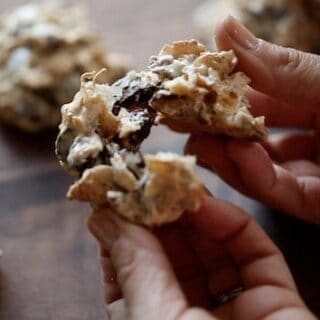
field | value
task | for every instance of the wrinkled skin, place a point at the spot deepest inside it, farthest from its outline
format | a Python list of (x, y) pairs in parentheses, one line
[(177, 271), (284, 171)]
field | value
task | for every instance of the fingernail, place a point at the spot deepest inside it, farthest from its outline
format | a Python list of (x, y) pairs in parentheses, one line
[(239, 33)]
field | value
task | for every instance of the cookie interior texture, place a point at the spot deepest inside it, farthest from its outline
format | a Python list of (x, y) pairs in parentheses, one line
[(150, 190), (290, 23), (103, 127), (44, 50)]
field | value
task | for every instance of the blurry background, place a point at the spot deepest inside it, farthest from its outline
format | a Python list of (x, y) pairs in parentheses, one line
[(49, 268)]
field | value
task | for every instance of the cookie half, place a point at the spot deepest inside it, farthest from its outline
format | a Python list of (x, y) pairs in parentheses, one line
[(149, 190)]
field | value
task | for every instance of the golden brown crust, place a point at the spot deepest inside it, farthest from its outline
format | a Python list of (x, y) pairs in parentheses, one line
[(204, 92), (181, 48), (168, 188), (101, 131), (187, 120)]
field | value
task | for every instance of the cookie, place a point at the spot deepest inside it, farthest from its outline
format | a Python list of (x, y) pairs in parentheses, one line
[(200, 89), (290, 23), (103, 127), (45, 48), (149, 190), (284, 22)]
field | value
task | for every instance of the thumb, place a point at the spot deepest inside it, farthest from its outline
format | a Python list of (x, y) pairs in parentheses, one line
[(289, 75), (144, 274)]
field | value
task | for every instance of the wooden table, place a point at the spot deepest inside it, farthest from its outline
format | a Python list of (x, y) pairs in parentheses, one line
[(49, 268)]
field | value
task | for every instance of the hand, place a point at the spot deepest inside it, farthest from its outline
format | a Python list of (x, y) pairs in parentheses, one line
[(284, 171), (179, 271)]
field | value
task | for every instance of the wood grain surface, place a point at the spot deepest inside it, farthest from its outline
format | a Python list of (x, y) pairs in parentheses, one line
[(49, 268)]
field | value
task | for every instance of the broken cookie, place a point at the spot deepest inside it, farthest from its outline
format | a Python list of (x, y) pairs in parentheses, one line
[(149, 190), (44, 50), (200, 89), (103, 127)]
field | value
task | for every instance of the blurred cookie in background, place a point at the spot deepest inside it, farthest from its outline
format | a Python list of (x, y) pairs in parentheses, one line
[(290, 23), (209, 14), (44, 50)]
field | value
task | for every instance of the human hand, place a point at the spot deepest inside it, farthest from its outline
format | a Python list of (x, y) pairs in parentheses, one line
[(181, 270), (283, 172)]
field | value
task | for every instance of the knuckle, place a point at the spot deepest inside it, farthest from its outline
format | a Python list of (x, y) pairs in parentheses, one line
[(127, 264), (125, 273), (261, 46), (116, 310), (290, 60)]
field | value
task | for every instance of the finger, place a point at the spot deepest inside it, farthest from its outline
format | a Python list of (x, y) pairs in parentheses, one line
[(196, 313), (117, 310), (115, 307), (278, 113), (212, 154), (224, 280), (221, 270), (247, 167), (259, 260), (274, 185), (182, 258), (269, 303), (188, 268), (276, 71), (302, 168), (112, 290), (293, 146), (176, 126), (142, 268)]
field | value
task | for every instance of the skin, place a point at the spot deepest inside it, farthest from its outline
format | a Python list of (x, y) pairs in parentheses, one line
[(178, 271), (283, 172)]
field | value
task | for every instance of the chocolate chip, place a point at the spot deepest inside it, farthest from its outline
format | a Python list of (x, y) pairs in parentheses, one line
[(211, 98), (134, 91), (52, 43), (146, 123)]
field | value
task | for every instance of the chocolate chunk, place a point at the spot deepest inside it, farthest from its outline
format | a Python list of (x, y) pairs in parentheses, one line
[(134, 92), (63, 144), (89, 163), (147, 121)]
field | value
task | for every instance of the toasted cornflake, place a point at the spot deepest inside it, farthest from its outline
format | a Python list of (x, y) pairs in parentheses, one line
[(201, 89), (166, 188)]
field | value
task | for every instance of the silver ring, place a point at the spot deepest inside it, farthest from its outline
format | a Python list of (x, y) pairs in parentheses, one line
[(227, 296)]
